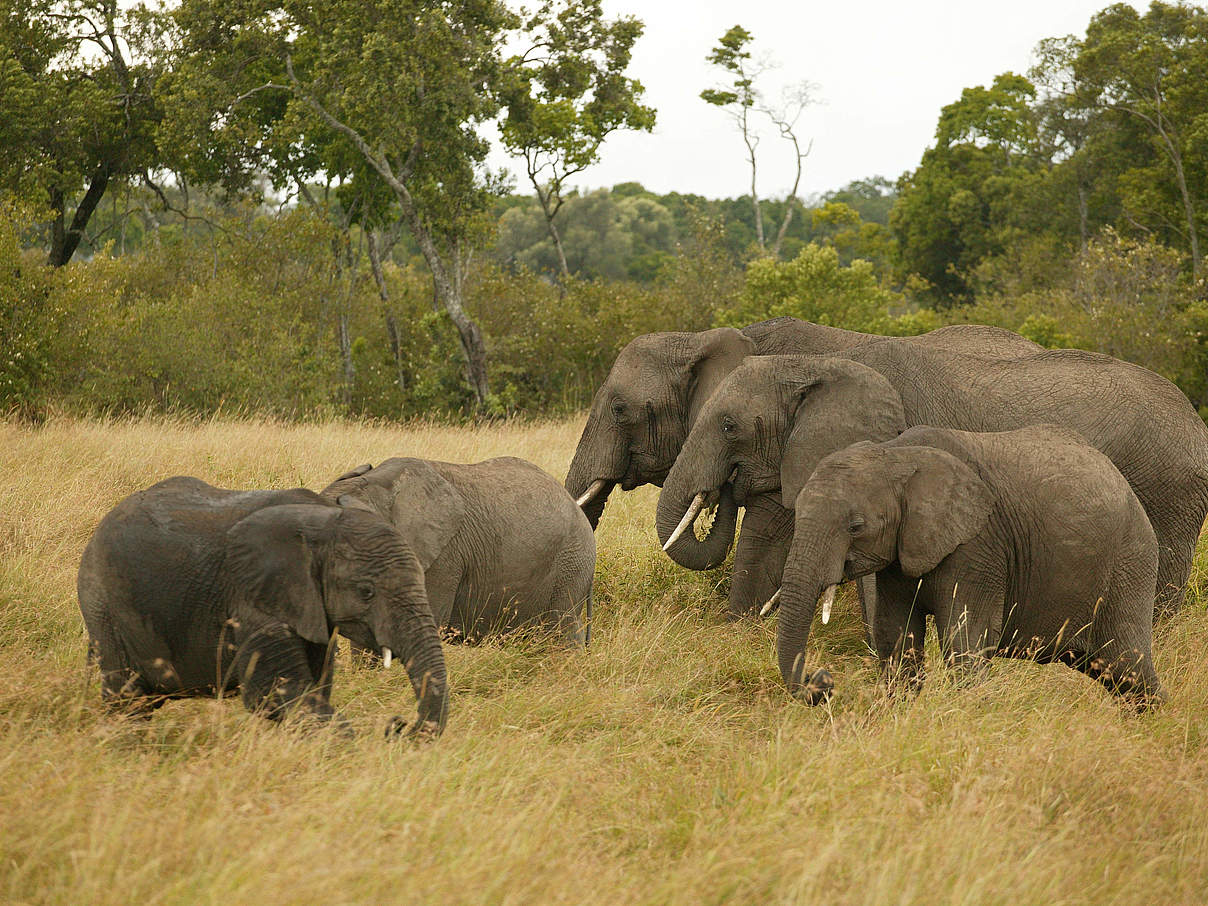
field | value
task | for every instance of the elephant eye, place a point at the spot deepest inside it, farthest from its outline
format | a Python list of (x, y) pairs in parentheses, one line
[(365, 590), (728, 426), (857, 523), (618, 408)]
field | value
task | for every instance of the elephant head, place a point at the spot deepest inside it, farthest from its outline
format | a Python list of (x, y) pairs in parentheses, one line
[(319, 568), (641, 414), (863, 509), (764, 429), (425, 508)]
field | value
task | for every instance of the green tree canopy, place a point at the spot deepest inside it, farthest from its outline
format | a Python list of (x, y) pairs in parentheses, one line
[(77, 80)]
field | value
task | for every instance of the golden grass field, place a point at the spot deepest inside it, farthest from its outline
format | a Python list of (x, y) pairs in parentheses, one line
[(664, 765)]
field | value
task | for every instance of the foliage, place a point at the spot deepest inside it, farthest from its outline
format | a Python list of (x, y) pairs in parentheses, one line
[(77, 82), (30, 316), (569, 93), (1124, 297), (1108, 130), (816, 286), (605, 236)]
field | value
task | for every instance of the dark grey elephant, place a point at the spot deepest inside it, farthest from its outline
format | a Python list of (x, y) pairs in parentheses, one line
[(1025, 543), (186, 589), (502, 544), (642, 413), (782, 414)]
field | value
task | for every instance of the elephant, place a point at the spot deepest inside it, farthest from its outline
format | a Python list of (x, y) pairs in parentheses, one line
[(1025, 543), (187, 589), (776, 417), (641, 415), (503, 546)]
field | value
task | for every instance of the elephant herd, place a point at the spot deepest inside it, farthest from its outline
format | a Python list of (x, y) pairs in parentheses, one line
[(1039, 503), (1036, 503)]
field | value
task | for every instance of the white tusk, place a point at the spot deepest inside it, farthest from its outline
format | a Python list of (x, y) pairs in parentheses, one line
[(698, 504), (772, 602), (592, 491), (828, 598), (387, 657)]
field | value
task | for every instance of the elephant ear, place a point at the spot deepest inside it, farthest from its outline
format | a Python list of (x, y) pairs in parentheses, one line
[(424, 506), (835, 403), (944, 504), (271, 559), (713, 354), (355, 473)]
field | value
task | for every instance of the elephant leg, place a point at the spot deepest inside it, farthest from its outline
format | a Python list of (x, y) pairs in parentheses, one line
[(1120, 654), (442, 581), (1175, 556), (898, 631), (763, 546), (1125, 671), (572, 589), (276, 674), (866, 590), (968, 622)]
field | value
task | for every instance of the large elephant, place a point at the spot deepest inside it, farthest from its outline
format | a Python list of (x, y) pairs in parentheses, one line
[(780, 415), (186, 589), (1025, 543), (502, 544), (642, 413)]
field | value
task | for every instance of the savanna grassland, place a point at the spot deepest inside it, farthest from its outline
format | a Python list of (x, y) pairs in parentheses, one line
[(664, 765)]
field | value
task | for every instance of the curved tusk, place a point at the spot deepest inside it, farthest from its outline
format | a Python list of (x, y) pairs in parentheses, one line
[(773, 602), (594, 489), (698, 504), (828, 598), (387, 657)]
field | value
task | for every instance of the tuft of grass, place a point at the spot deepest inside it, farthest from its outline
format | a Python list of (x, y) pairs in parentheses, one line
[(664, 765)]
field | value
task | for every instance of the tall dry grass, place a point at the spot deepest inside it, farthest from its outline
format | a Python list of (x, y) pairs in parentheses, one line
[(665, 765)]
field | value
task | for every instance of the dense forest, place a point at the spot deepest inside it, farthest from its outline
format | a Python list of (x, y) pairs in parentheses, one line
[(285, 209)]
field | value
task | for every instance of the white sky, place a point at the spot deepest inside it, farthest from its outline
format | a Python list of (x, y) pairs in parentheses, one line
[(883, 69)]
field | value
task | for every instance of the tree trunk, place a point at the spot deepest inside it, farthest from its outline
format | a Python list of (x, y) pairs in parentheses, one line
[(1082, 216), (448, 289), (546, 198), (396, 346), (65, 242)]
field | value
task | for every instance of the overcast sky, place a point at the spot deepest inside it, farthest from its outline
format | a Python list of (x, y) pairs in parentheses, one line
[(883, 69)]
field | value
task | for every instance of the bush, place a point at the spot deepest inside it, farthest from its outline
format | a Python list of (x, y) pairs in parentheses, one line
[(816, 286), (29, 316), (1126, 298)]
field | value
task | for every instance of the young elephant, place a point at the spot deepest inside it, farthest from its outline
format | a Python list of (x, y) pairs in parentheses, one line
[(502, 544), (1025, 543), (186, 588)]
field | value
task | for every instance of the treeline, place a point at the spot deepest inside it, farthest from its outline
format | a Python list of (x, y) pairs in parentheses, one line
[(245, 235)]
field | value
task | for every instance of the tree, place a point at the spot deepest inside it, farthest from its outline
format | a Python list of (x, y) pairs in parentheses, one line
[(569, 94), (972, 192), (1150, 73), (740, 98), (77, 79), (357, 89)]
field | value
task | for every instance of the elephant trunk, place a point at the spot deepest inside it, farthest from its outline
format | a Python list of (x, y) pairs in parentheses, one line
[(676, 506), (815, 567), (414, 639), (600, 461)]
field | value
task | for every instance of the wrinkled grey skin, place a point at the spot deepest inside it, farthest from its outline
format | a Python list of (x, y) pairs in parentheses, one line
[(186, 589), (502, 544), (776, 417), (1024, 543), (642, 413)]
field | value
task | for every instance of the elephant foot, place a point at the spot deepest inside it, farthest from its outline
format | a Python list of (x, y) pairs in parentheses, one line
[(818, 689), (420, 731)]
